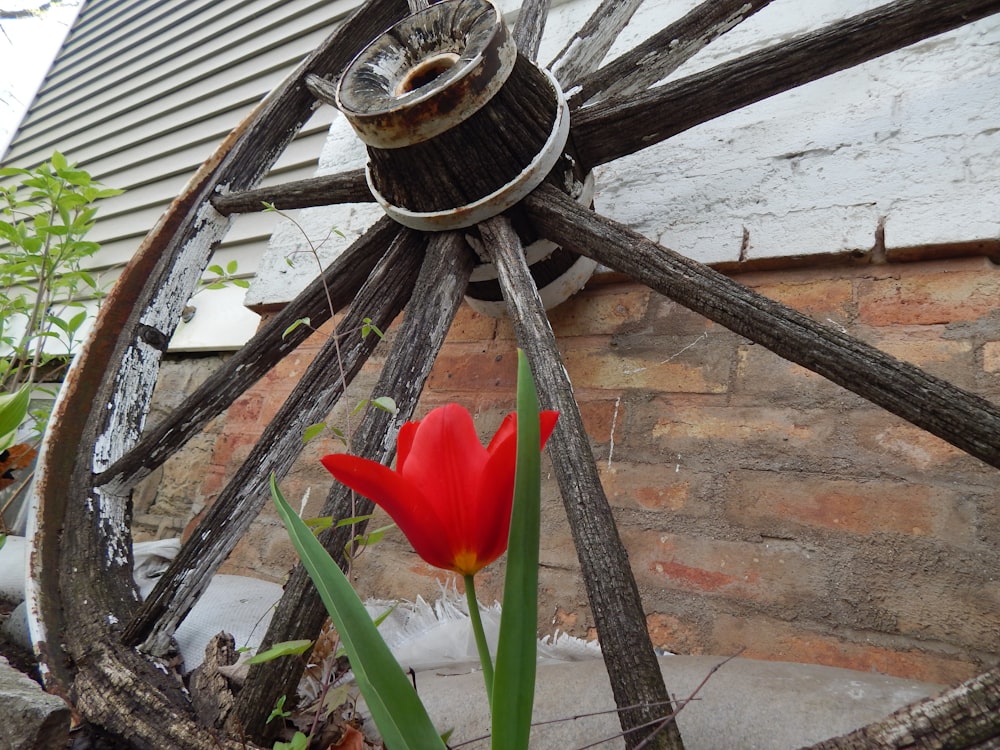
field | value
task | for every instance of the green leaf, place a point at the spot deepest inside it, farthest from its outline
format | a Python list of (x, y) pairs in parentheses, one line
[(293, 326), (352, 520), (367, 327), (399, 715), (385, 403), (278, 712), (284, 648), (299, 741), (13, 409), (372, 537), (313, 431), (77, 320), (514, 679), (231, 267), (318, 524)]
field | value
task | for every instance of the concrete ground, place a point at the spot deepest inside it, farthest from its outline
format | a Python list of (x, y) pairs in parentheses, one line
[(745, 705)]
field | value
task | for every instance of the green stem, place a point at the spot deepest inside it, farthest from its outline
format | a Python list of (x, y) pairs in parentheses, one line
[(477, 629)]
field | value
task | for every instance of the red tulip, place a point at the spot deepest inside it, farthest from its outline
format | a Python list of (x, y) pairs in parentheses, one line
[(449, 495)]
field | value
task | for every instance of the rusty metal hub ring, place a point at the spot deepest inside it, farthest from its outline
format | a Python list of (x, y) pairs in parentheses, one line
[(428, 73), (505, 197)]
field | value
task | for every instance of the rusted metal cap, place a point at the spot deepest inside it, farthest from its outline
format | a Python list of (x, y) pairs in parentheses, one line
[(506, 196), (428, 73)]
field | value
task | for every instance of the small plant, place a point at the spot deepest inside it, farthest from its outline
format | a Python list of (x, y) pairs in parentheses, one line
[(45, 215)]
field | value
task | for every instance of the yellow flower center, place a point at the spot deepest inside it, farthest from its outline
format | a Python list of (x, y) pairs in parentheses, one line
[(466, 563)]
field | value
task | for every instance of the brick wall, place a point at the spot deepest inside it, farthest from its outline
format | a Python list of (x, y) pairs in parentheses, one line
[(763, 507)]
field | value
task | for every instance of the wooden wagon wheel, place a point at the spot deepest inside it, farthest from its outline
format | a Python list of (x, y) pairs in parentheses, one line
[(86, 618)]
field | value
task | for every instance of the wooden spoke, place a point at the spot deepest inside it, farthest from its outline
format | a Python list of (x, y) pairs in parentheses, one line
[(348, 187), (336, 287), (632, 666), (964, 419), (664, 52), (437, 296), (617, 127), (962, 717), (529, 27), (586, 48), (314, 396)]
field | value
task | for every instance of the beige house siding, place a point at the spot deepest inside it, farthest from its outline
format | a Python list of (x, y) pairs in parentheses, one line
[(141, 94)]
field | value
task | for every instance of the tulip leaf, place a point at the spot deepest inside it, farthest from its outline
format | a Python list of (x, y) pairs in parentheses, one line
[(514, 680), (398, 713)]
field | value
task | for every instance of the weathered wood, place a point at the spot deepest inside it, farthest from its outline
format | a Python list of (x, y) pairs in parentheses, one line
[(324, 90), (336, 286), (311, 400), (966, 717), (80, 582), (326, 190), (617, 127), (529, 27), (634, 671), (964, 419), (588, 46), (475, 158), (437, 296), (663, 52)]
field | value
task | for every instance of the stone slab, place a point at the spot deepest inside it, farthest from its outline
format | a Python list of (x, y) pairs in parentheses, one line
[(31, 718)]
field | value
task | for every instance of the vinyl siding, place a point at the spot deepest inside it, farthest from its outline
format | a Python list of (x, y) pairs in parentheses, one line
[(143, 91)]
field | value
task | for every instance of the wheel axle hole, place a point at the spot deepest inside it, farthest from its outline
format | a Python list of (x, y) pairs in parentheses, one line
[(426, 71)]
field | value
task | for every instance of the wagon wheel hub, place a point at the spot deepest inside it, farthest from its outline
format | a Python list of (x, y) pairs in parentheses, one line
[(458, 126)]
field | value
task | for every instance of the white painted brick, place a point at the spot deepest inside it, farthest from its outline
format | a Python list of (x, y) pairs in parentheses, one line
[(913, 137)]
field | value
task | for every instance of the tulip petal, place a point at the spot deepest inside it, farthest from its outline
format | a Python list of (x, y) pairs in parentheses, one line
[(404, 441), (495, 495), (445, 461), (404, 502)]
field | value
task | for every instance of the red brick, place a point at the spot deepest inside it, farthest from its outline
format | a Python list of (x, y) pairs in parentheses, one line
[(231, 448), (470, 325), (858, 507), (927, 297), (763, 376), (245, 412), (765, 638), (603, 312), (595, 367), (471, 368), (820, 299), (950, 359), (903, 442), (601, 418), (673, 634), (647, 486), (737, 425), (762, 572)]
